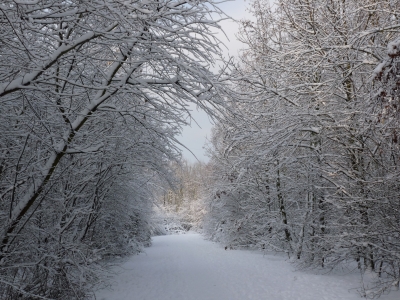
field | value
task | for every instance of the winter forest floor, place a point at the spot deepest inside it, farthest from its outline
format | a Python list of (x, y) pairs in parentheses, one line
[(186, 267)]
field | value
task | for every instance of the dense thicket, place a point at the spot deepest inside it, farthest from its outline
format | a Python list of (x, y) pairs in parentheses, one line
[(92, 94), (312, 166)]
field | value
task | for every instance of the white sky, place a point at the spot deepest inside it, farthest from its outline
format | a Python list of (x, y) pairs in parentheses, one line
[(194, 137)]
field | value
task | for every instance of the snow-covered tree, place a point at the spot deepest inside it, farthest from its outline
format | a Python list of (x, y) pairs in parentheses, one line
[(92, 94), (309, 167)]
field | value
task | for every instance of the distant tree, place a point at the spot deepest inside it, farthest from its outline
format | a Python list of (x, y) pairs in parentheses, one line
[(185, 197)]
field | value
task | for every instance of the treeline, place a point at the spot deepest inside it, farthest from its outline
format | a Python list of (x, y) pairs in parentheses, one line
[(92, 96), (184, 199), (311, 166)]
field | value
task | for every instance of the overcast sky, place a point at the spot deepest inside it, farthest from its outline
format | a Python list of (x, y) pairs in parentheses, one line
[(194, 137)]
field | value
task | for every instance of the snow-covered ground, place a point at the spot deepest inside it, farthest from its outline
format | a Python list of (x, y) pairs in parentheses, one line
[(186, 267)]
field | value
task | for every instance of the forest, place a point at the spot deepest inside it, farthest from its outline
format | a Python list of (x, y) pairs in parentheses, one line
[(303, 158)]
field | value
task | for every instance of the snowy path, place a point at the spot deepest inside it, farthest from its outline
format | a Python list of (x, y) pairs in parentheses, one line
[(186, 267)]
